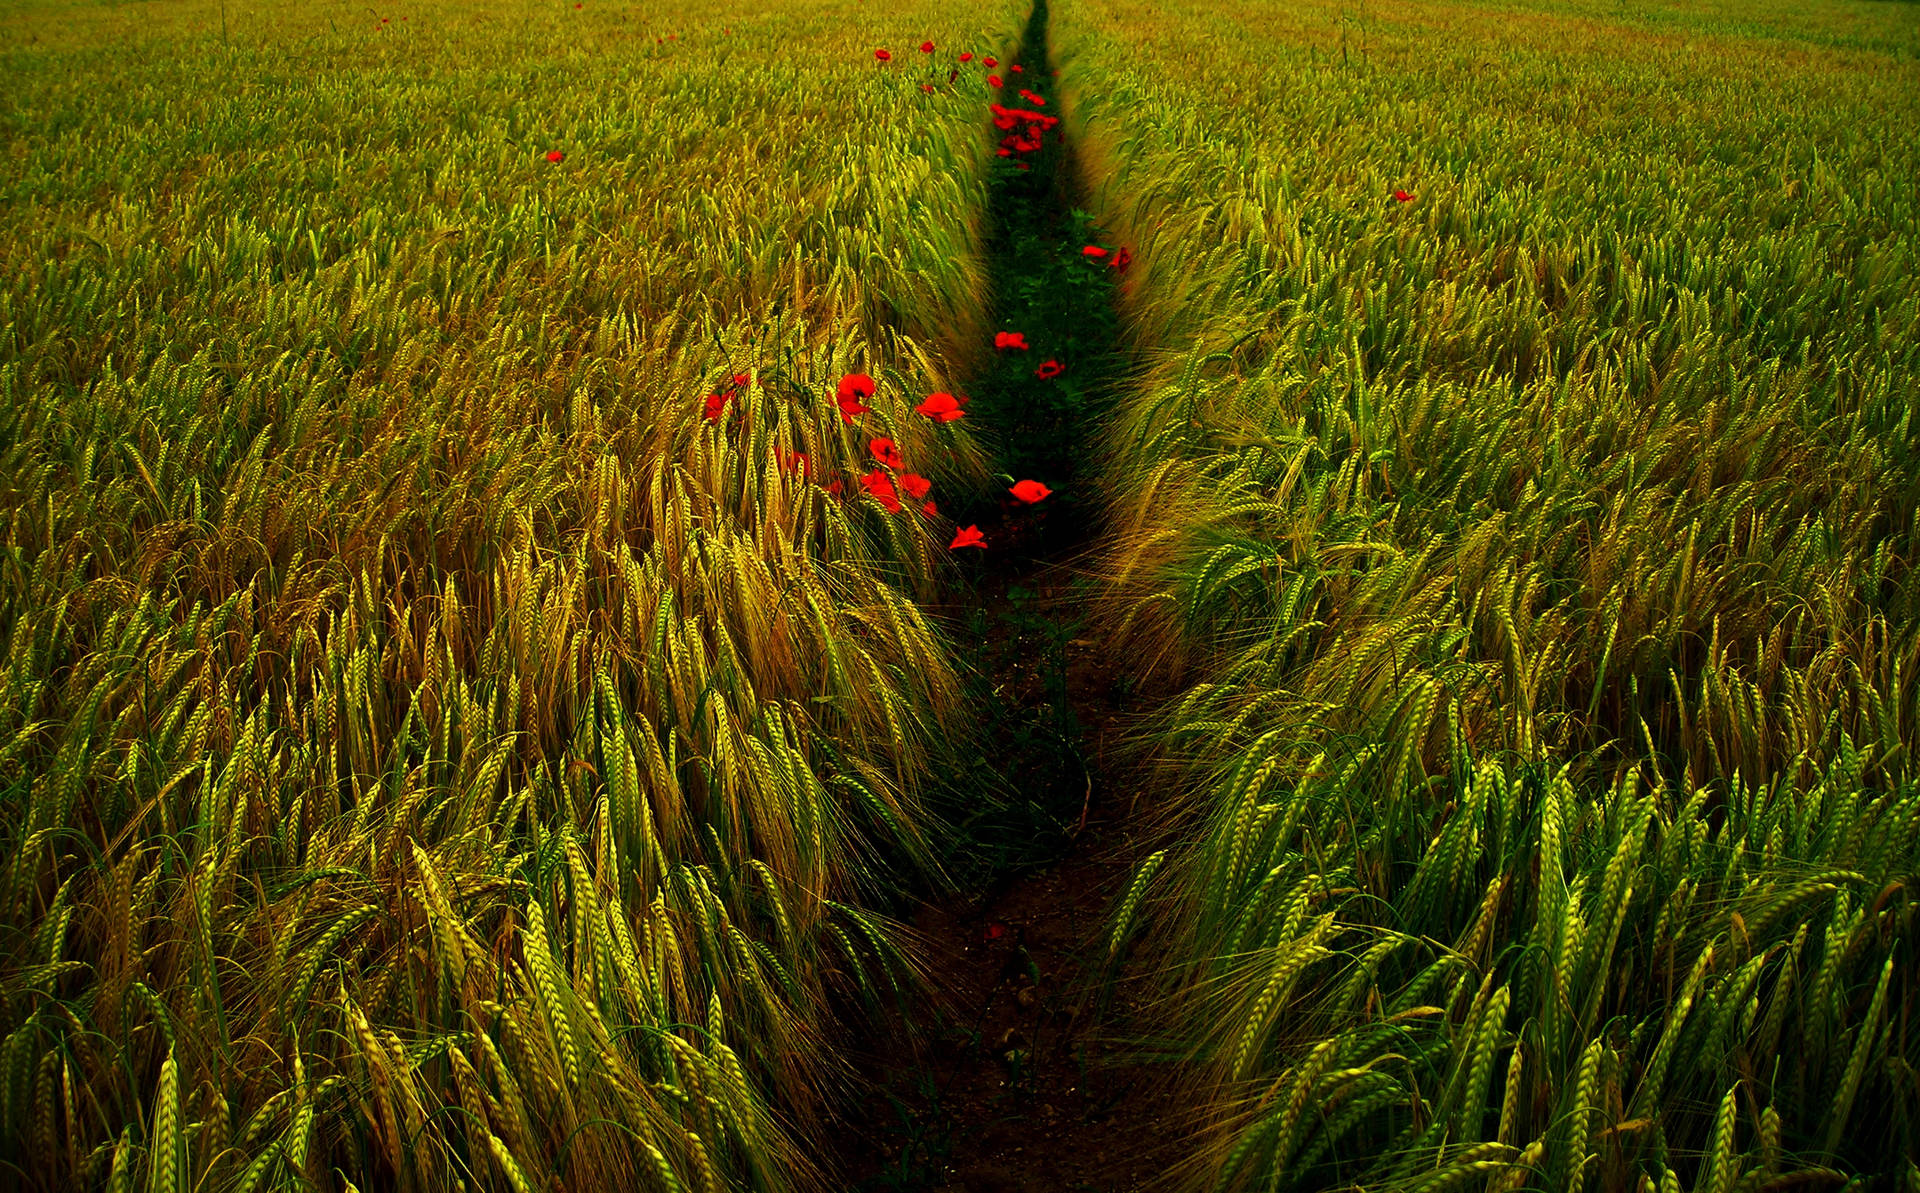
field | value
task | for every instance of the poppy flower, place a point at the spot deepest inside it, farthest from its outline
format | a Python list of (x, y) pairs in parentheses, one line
[(1030, 491), (970, 537), (884, 451), (994, 931), (1094, 251), (926, 47), (716, 406), (1003, 151), (967, 57), (927, 87), (880, 487), (989, 63), (1030, 97), (1121, 260), (930, 510), (993, 80), (853, 387), (791, 461), (836, 488), (1401, 196), (916, 487), (1017, 69), (554, 155), (941, 408), (740, 380), (1005, 123), (1021, 166), (1049, 370), (1010, 339)]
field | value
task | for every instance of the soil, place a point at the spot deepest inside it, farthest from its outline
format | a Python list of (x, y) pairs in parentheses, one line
[(1005, 1078)]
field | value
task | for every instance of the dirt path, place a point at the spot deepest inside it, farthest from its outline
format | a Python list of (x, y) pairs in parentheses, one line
[(1005, 1078)]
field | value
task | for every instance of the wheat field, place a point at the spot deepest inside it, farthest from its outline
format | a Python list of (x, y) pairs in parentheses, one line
[(474, 709)]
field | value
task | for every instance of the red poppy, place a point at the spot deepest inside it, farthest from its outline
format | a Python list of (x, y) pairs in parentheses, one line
[(740, 380), (1121, 260), (791, 461), (989, 62), (1006, 122), (926, 47), (1093, 250), (916, 487), (994, 931), (576, 6), (970, 537), (880, 486), (1010, 339), (1016, 68), (927, 87), (1030, 491), (993, 80), (1049, 370), (716, 406), (941, 408), (1021, 166), (930, 510), (853, 387), (967, 57), (1003, 151), (554, 155), (1030, 97), (883, 56), (884, 451), (836, 488), (1401, 196)]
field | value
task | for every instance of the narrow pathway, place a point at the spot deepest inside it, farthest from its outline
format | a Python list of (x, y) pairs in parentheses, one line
[(1003, 1079)]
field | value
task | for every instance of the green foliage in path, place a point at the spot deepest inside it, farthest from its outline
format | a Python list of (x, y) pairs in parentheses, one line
[(431, 753), (1535, 548)]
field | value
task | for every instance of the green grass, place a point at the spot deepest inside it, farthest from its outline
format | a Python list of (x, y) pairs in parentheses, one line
[(1536, 557), (433, 754)]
